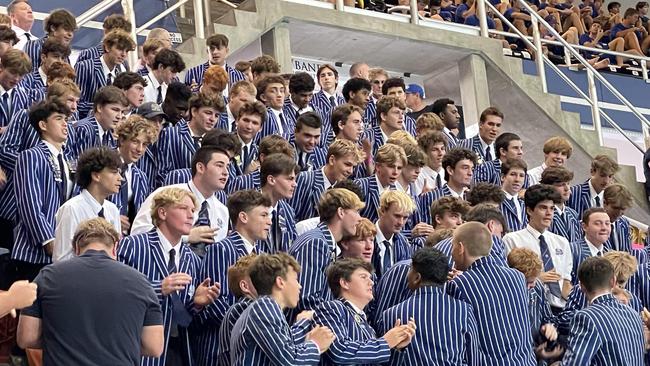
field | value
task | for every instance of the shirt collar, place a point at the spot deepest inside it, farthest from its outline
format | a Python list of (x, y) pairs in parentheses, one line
[(380, 236), (485, 144), (559, 209), (91, 200), (593, 249), (41, 73), (105, 68), (153, 81), (592, 192), (231, 117), (52, 148), (356, 309), (326, 182), (3, 90), (509, 196), (196, 192), (248, 245), (166, 245), (19, 31), (533, 231)]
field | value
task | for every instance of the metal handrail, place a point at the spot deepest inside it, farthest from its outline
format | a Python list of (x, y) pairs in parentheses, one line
[(94, 11)]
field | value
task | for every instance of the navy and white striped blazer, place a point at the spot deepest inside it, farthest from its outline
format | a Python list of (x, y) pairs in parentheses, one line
[(37, 201), (370, 190), (196, 74), (426, 200), (309, 187), (376, 137), (321, 104), (447, 335), (392, 288), (182, 176), (499, 298), (87, 136), (244, 162), (356, 341), (148, 164), (90, 78), (580, 199), (20, 99), (540, 310), (409, 125), (370, 114), (605, 333), (287, 227), (270, 127), (580, 252), (175, 150), (139, 186), (90, 53), (489, 172), (144, 253), (452, 141), (289, 114), (515, 222), (33, 50), (262, 336), (400, 250), (497, 251), (314, 251), (568, 226), (227, 325), (251, 180), (219, 257), (474, 144), (33, 81), (622, 232)]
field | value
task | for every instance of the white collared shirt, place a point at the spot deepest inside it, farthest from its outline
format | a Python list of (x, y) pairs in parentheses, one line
[(41, 73), (22, 38), (151, 90), (10, 92), (593, 195), (326, 182), (306, 225), (100, 130), (166, 246), (55, 153), (427, 178), (558, 247), (77, 209), (231, 119), (308, 108), (247, 244), (535, 174), (594, 250), (128, 175), (509, 197), (106, 70), (484, 145), (217, 212), (277, 114), (380, 238)]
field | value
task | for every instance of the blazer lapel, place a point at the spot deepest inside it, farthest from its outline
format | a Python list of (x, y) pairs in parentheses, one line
[(186, 137), (99, 72), (157, 253)]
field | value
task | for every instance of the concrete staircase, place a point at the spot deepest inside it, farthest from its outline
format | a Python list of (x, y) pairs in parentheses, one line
[(444, 58)]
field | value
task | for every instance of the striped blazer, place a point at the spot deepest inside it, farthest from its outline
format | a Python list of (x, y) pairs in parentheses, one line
[(242, 162), (291, 114), (20, 99), (623, 236), (33, 81), (196, 73), (33, 50), (567, 225), (262, 336), (144, 253), (605, 333), (580, 199), (87, 136), (314, 251), (400, 250), (474, 144), (580, 251), (309, 187), (515, 222), (539, 311), (356, 341), (489, 172), (426, 200), (140, 188), (376, 137), (251, 180), (220, 256), (370, 189), (148, 164), (409, 125), (391, 288), (175, 150), (90, 78), (499, 298), (452, 141), (446, 336), (323, 106), (370, 114), (270, 127), (287, 226), (182, 176), (497, 251), (90, 53), (37, 201), (227, 325)]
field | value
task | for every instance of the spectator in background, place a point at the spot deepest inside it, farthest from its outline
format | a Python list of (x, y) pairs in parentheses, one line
[(359, 70), (59, 25), (166, 65), (22, 20), (150, 49), (8, 39), (635, 35), (557, 150), (415, 101), (448, 112), (263, 66), (245, 68), (642, 7)]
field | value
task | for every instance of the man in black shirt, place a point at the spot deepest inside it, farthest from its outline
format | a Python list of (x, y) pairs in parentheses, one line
[(415, 101), (92, 310)]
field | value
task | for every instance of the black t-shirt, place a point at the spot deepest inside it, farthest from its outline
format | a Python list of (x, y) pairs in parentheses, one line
[(415, 115), (92, 310)]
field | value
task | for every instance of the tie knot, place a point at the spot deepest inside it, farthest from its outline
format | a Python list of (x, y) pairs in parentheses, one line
[(204, 205), (172, 252)]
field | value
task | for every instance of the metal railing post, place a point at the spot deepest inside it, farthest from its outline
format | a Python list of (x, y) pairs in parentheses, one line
[(181, 12), (595, 109), (199, 26), (339, 5), (644, 70), (539, 54), (208, 16), (482, 18), (94, 11), (129, 13), (414, 12)]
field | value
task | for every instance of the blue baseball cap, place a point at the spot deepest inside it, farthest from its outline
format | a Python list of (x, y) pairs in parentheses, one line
[(415, 89)]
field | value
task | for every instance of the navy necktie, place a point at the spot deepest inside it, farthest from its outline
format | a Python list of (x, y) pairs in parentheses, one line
[(63, 185), (180, 316), (333, 102), (387, 261), (244, 159), (159, 98), (283, 123), (124, 192), (615, 244), (438, 181), (101, 213), (488, 154), (197, 141), (276, 231), (109, 79), (204, 217), (554, 287), (28, 36), (597, 199), (106, 138), (5, 105)]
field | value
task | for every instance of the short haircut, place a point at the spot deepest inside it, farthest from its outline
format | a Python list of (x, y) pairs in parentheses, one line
[(333, 199), (392, 83), (538, 193), (476, 238), (245, 201), (485, 213), (595, 273), (525, 261), (203, 155), (555, 175), (152, 45), (217, 77), (351, 186), (169, 58), (265, 64), (403, 201), (365, 229), (52, 45), (625, 264), (275, 144), (134, 126), (604, 164), (485, 192), (266, 268), (630, 12), (616, 194), (238, 272), (343, 269), (510, 164), (60, 70), (354, 69), (431, 264), (390, 154), (308, 119), (586, 215), (178, 91), (437, 236), (375, 72), (341, 148), (490, 111), (354, 85), (16, 62), (386, 103), (301, 82), (222, 139), (62, 88), (125, 80), (217, 41), (158, 33), (430, 138), (118, 39), (447, 204), (276, 165), (117, 21), (168, 197), (429, 121), (414, 155), (94, 160), (95, 231), (640, 5), (265, 82), (243, 66), (401, 138), (59, 18), (503, 142), (558, 144), (42, 110), (109, 95), (5, 20), (11, 7), (440, 105), (255, 108), (454, 156), (206, 100), (322, 67), (613, 5), (8, 35), (242, 85), (341, 114)]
